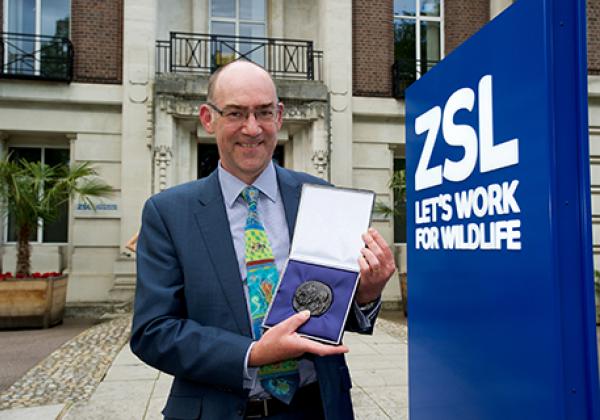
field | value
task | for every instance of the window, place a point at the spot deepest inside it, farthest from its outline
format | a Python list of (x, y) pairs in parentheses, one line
[(418, 38), (239, 18), (57, 231), (29, 49)]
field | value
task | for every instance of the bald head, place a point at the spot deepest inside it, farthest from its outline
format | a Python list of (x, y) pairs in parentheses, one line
[(237, 72)]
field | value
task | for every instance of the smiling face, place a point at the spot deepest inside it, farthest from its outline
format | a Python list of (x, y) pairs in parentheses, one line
[(245, 148)]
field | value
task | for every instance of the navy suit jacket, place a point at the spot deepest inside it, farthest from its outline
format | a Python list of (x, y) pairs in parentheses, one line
[(190, 315)]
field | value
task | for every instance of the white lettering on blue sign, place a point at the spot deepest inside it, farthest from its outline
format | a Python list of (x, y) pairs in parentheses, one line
[(498, 199), (100, 206), (491, 156)]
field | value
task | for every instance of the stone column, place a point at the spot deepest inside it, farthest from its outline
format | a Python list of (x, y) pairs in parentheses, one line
[(72, 137), (277, 13), (138, 70), (139, 27), (335, 39), (200, 15)]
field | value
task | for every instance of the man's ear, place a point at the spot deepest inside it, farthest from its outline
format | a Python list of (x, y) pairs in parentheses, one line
[(206, 118), (279, 120)]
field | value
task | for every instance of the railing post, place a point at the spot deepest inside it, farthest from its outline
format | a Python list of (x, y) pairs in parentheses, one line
[(309, 61), (1, 53), (172, 51), (213, 43), (269, 55), (71, 60)]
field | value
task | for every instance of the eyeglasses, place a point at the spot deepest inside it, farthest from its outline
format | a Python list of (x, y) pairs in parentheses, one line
[(240, 115)]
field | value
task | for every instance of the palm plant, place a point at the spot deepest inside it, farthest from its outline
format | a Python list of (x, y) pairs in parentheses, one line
[(397, 184), (33, 191)]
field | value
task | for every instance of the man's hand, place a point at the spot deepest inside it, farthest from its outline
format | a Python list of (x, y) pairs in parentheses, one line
[(282, 342), (376, 267)]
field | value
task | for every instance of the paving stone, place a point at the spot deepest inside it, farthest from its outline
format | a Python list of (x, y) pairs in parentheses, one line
[(388, 396), (162, 386), (385, 349), (397, 413), (358, 348), (370, 413), (376, 378), (126, 357), (153, 412), (47, 412), (368, 362), (361, 399), (131, 373), (123, 409), (119, 390)]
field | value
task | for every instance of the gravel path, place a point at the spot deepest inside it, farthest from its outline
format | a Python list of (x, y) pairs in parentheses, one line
[(72, 372)]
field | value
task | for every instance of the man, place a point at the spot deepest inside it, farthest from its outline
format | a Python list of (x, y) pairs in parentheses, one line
[(192, 318)]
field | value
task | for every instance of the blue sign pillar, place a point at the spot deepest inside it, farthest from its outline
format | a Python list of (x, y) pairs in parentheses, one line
[(501, 309)]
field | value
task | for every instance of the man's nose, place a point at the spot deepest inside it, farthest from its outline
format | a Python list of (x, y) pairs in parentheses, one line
[(251, 126)]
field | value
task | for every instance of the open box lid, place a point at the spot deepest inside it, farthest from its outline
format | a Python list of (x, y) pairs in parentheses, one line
[(329, 226)]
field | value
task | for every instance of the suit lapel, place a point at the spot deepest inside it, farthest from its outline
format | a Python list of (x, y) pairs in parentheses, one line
[(214, 225), (290, 191)]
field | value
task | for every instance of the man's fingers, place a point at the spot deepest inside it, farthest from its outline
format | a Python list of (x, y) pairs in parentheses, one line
[(383, 245), (319, 349), (294, 322), (371, 258), (364, 267)]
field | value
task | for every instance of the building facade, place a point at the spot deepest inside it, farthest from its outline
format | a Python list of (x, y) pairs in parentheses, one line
[(119, 83)]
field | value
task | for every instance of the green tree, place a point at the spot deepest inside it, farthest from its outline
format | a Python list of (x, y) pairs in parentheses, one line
[(33, 191)]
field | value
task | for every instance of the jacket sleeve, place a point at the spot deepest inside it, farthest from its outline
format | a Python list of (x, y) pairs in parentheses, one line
[(162, 335)]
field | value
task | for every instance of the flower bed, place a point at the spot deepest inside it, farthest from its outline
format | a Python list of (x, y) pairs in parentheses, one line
[(36, 275), (34, 301)]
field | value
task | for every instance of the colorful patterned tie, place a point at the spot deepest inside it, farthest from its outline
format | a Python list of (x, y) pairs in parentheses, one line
[(281, 379)]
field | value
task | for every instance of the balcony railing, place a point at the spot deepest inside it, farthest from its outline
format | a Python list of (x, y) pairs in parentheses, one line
[(204, 53), (27, 56), (406, 71)]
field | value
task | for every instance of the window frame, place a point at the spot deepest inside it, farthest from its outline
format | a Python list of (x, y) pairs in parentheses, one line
[(237, 21), (38, 28), (418, 18), (40, 227)]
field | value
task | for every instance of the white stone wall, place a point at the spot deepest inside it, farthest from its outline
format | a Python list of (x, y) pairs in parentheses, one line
[(87, 119), (301, 20), (378, 133)]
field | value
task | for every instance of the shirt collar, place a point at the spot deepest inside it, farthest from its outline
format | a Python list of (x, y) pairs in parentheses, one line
[(232, 186)]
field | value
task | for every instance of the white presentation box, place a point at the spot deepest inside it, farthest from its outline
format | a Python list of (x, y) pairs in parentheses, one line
[(322, 270)]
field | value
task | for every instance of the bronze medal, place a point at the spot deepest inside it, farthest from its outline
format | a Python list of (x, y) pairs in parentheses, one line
[(314, 296)]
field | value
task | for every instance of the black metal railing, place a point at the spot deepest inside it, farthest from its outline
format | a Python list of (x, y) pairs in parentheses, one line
[(27, 56), (204, 53), (405, 71)]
